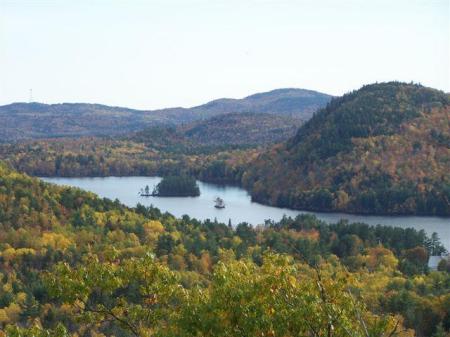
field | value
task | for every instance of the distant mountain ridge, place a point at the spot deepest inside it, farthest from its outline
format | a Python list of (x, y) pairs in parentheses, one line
[(300, 103), (20, 121)]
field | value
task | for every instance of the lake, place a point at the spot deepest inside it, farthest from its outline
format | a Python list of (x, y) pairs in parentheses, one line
[(239, 207)]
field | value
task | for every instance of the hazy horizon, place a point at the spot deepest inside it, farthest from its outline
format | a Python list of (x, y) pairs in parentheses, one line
[(167, 107), (187, 107), (159, 54)]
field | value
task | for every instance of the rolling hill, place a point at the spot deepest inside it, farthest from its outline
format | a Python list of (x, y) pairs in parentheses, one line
[(241, 128), (19, 121), (156, 150), (382, 149)]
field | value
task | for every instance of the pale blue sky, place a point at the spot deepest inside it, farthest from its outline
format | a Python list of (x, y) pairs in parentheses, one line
[(152, 54)]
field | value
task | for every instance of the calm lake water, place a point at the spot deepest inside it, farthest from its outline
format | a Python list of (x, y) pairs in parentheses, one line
[(239, 207)]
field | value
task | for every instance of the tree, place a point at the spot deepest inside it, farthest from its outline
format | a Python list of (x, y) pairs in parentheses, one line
[(136, 295), (35, 331), (278, 298)]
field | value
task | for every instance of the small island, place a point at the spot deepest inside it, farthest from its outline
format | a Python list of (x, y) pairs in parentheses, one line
[(177, 186)]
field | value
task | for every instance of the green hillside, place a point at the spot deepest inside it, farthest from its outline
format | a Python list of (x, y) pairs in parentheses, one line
[(381, 149)]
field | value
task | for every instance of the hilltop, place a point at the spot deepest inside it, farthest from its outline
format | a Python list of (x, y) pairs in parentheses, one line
[(19, 121), (299, 103), (382, 149)]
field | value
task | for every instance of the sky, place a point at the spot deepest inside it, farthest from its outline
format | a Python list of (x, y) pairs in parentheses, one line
[(163, 53)]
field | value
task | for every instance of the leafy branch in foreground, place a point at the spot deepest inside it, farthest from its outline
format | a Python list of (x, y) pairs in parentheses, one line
[(136, 295), (278, 298)]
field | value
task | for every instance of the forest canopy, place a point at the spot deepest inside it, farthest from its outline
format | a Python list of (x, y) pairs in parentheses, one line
[(72, 264)]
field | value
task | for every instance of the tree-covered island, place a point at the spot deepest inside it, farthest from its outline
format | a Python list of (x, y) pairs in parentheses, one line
[(177, 186)]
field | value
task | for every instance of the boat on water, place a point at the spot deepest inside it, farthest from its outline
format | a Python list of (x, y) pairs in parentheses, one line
[(219, 203)]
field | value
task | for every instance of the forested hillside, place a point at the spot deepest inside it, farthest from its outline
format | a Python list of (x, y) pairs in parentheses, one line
[(247, 129), (215, 149), (382, 149), (72, 264), (297, 103), (244, 129), (156, 151), (21, 121)]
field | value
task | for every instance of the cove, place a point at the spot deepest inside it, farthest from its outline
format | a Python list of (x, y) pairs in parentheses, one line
[(239, 207)]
